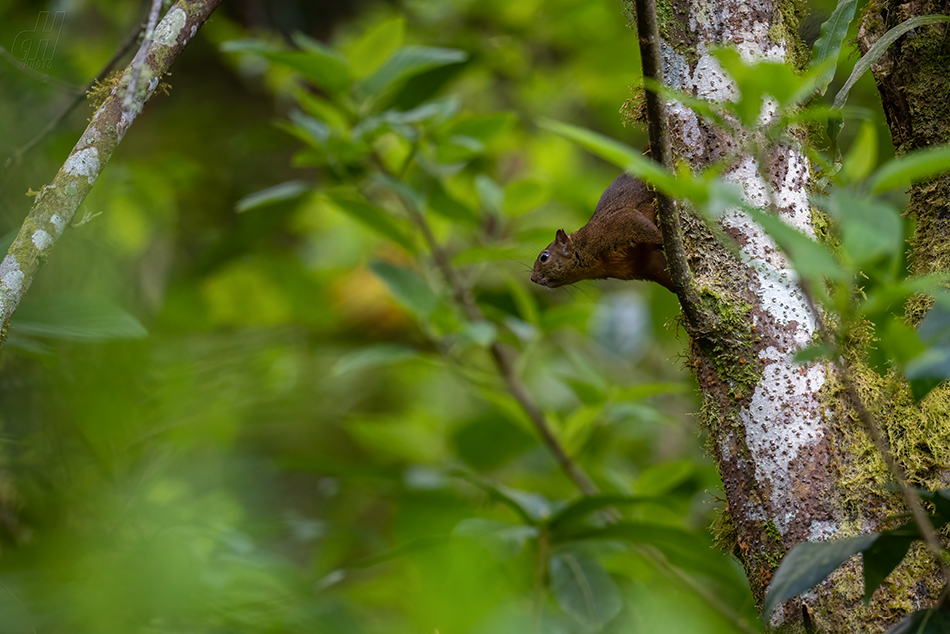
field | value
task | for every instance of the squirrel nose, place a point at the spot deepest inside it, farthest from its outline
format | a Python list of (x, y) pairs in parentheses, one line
[(533, 277)]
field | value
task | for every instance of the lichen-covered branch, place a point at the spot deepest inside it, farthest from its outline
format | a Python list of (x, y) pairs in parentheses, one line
[(57, 202)]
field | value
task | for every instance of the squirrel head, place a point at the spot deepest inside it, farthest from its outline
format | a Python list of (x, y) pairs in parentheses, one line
[(555, 265)]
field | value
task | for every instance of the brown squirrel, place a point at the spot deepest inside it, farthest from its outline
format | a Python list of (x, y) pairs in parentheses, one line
[(621, 240)]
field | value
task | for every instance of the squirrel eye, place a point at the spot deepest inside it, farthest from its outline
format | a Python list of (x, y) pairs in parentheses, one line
[(543, 257)]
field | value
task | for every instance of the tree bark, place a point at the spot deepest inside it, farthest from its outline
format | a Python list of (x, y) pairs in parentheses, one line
[(914, 81), (795, 463)]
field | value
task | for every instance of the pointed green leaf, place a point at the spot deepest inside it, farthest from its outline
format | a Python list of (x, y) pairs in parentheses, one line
[(871, 229), (408, 287), (682, 548), (409, 61), (584, 590), (862, 158), (913, 166), (508, 540), (627, 158), (828, 46), (321, 66), (375, 219), (75, 317), (933, 621), (373, 357), (376, 45), (278, 193), (582, 507), (444, 204), (884, 554), (878, 48), (807, 564), (483, 127), (490, 193)]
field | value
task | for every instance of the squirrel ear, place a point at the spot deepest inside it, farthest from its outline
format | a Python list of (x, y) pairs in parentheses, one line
[(563, 242)]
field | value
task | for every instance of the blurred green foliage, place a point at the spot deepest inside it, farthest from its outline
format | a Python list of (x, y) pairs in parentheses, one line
[(312, 435)]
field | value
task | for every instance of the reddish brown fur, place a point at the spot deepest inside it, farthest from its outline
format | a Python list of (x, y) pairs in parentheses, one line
[(621, 240)]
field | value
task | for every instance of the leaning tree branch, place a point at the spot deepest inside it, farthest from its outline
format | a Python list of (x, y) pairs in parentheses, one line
[(698, 322), (56, 203)]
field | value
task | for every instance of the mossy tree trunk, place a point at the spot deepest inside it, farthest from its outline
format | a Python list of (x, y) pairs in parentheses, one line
[(795, 463)]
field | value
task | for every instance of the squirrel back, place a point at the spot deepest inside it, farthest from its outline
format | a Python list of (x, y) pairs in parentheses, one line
[(621, 240)]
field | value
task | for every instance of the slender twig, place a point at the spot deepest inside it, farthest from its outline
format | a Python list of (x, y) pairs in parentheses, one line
[(697, 320), (139, 60), (725, 611), (464, 298), (18, 153), (40, 76)]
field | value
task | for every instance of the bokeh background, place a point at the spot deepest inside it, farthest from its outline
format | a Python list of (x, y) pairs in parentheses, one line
[(218, 413)]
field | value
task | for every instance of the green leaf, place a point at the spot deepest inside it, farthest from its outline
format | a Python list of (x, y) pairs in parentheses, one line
[(491, 440), (682, 548), (755, 81), (862, 157), (828, 46), (483, 127), (490, 193), (884, 554), (75, 317), (582, 507), (321, 66), (928, 370), (933, 621), (373, 357), (376, 219), (913, 166), (408, 287), (584, 590), (899, 340), (409, 61), (506, 539), (523, 196), (870, 229), (807, 564), (878, 48), (278, 193), (444, 204), (812, 352), (376, 45), (664, 477), (628, 159)]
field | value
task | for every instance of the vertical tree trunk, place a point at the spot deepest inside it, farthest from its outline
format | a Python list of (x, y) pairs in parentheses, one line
[(913, 77), (795, 464)]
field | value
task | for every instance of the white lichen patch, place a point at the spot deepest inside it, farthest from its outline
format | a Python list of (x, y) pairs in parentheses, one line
[(792, 196), (750, 44), (84, 163), (58, 223), (125, 121), (92, 135), (688, 125), (783, 417), (821, 531), (11, 277), (781, 297), (171, 25), (42, 239), (711, 82)]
